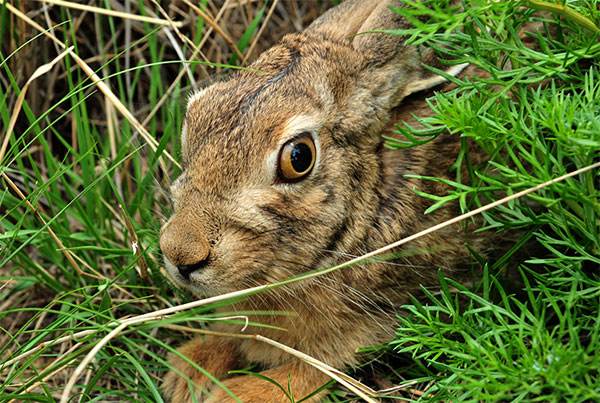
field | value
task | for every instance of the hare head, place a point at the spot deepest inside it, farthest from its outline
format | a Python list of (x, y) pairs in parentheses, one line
[(283, 160)]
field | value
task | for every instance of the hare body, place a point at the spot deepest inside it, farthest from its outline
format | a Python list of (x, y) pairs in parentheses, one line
[(239, 223)]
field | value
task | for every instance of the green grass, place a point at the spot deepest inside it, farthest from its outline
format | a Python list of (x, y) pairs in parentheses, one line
[(536, 113)]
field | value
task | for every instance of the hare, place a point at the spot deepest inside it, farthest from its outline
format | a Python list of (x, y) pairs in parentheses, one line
[(284, 171)]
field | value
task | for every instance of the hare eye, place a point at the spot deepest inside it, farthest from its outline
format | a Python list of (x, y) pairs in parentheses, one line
[(297, 157)]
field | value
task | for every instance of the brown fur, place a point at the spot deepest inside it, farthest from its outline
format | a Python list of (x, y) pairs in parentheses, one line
[(255, 230)]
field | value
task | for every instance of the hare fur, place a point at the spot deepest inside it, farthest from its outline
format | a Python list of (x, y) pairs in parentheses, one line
[(248, 228)]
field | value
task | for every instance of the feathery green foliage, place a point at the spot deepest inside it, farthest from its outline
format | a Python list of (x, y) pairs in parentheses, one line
[(536, 113)]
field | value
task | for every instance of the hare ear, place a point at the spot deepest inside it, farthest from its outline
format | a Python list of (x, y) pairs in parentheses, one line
[(352, 20), (430, 81), (394, 69), (380, 47), (343, 21), (388, 65)]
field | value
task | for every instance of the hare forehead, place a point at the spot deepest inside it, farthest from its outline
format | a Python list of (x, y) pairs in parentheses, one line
[(246, 154), (289, 73), (249, 98), (217, 119)]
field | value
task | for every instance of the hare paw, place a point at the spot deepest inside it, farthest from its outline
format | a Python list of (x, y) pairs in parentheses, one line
[(299, 379), (184, 382)]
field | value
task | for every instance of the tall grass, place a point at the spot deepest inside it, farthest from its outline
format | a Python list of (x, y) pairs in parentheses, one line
[(89, 178)]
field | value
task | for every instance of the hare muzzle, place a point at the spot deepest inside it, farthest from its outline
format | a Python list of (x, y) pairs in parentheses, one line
[(184, 245)]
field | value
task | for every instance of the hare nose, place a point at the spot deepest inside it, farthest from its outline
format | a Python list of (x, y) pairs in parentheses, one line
[(186, 269), (184, 244)]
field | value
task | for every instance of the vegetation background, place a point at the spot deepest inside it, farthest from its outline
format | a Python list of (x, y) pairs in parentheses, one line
[(88, 150)]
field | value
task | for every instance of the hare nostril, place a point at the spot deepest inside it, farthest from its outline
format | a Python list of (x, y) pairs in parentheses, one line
[(187, 269)]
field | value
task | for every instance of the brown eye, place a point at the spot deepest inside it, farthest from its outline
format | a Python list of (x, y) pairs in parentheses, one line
[(297, 157)]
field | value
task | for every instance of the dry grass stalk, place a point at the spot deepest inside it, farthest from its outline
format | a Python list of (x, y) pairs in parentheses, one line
[(135, 246), (260, 32), (211, 22), (112, 13)]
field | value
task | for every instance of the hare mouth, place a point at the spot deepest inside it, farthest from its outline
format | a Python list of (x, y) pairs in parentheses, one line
[(196, 283)]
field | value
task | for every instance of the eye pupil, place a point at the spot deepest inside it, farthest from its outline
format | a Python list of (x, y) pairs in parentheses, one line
[(296, 158), (301, 157)]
